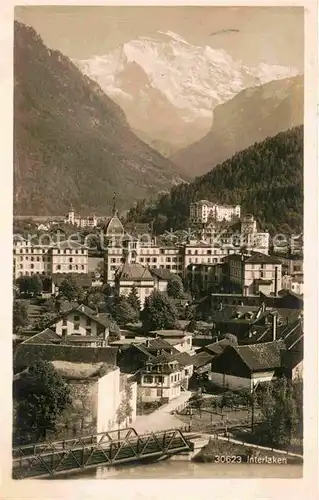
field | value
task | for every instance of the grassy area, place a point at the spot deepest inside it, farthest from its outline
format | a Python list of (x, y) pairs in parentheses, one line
[(204, 420), (217, 451)]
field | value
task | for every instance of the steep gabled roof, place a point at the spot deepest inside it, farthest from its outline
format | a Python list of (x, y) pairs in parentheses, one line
[(47, 336), (264, 356), (163, 274), (133, 272), (102, 319), (202, 359)]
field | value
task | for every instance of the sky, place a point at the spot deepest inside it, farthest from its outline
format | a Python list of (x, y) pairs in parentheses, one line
[(272, 35)]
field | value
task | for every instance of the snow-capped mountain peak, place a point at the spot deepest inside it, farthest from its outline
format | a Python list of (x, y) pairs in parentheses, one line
[(191, 79)]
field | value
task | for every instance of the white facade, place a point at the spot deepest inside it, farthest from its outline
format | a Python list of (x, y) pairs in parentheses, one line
[(156, 386), (201, 211), (235, 383), (78, 221), (75, 323), (29, 259), (109, 399), (244, 274), (144, 288)]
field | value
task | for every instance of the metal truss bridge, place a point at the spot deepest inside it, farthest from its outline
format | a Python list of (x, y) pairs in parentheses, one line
[(107, 448)]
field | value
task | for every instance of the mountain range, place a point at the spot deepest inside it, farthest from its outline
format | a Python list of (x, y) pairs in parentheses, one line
[(251, 116), (72, 143), (168, 88)]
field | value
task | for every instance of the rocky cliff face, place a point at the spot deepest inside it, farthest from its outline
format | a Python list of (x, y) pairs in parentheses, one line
[(72, 143)]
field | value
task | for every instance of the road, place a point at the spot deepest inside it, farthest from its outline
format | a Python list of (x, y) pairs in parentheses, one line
[(162, 419)]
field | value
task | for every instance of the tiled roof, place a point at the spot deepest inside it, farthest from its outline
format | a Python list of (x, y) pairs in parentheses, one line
[(161, 273), (255, 258), (158, 343), (217, 347), (170, 333), (133, 272), (202, 359), (27, 354), (114, 226), (47, 336), (260, 356)]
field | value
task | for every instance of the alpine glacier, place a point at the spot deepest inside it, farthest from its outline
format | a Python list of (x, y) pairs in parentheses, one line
[(191, 80)]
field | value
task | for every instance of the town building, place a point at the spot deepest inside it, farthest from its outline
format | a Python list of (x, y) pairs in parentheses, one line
[(180, 339), (202, 210), (129, 275), (160, 380), (61, 257), (79, 326), (252, 274), (82, 222), (243, 367)]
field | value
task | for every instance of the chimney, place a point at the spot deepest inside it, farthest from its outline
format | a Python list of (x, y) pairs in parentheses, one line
[(274, 327), (147, 342), (276, 281)]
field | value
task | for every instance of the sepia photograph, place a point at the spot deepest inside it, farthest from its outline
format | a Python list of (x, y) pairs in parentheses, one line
[(158, 242)]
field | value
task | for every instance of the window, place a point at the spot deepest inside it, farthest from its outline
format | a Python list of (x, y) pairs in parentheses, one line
[(113, 260), (76, 317), (158, 380), (76, 326), (209, 252), (159, 393), (58, 267), (32, 259), (71, 259), (64, 322), (70, 267), (38, 259), (82, 267), (148, 379), (261, 274), (64, 332), (21, 266), (32, 266), (154, 259), (168, 259), (88, 331)]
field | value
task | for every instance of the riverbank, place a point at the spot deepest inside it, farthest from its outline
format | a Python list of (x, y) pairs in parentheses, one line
[(225, 452)]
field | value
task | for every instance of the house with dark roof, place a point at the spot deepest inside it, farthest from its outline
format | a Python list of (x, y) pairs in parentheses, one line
[(160, 380), (255, 273), (180, 339), (129, 275), (161, 278), (81, 325), (133, 356), (243, 367)]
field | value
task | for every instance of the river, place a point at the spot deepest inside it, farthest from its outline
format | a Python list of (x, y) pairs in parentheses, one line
[(185, 469)]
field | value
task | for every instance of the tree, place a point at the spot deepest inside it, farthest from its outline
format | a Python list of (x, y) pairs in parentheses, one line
[(20, 315), (125, 409), (159, 312), (122, 312), (175, 287), (192, 326), (41, 396), (115, 332), (232, 338), (69, 289), (133, 299), (279, 402), (30, 285), (93, 298)]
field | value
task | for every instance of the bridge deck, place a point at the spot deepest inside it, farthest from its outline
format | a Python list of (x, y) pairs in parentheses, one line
[(108, 448)]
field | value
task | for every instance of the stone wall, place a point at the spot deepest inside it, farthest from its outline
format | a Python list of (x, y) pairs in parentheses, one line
[(81, 417)]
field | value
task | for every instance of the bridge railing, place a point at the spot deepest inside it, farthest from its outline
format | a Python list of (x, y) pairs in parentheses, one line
[(52, 458)]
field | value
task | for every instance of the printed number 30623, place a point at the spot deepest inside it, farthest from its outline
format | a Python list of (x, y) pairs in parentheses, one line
[(228, 459)]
